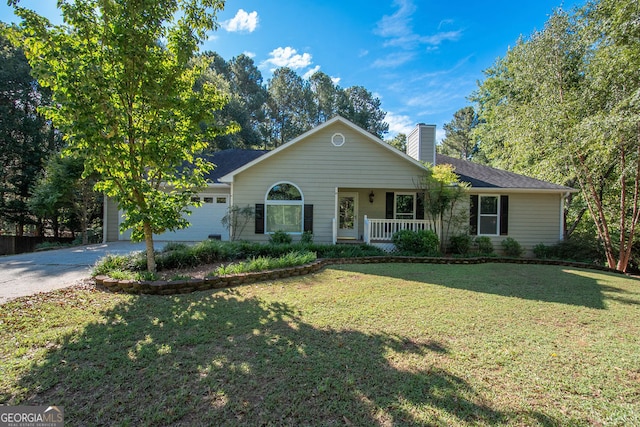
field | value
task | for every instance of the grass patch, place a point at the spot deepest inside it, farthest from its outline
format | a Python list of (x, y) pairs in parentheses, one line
[(375, 344)]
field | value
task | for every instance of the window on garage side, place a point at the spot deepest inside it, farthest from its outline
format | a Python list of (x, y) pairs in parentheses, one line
[(284, 208)]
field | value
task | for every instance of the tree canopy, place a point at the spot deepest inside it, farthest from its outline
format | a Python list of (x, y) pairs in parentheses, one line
[(26, 137), (459, 140), (563, 105)]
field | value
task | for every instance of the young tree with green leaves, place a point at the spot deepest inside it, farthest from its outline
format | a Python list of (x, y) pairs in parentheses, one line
[(123, 88), (441, 191)]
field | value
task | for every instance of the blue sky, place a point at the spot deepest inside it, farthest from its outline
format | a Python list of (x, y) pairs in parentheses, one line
[(421, 58)]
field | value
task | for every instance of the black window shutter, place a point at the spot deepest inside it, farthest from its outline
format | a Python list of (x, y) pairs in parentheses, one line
[(473, 215), (308, 218), (419, 205), (389, 207), (259, 216), (504, 215)]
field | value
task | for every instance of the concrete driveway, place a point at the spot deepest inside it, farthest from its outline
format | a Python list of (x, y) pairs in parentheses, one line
[(27, 274)]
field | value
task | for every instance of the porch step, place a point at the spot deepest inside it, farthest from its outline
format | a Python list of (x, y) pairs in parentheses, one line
[(349, 242)]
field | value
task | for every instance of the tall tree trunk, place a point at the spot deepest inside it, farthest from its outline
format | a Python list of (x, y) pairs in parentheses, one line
[(148, 239)]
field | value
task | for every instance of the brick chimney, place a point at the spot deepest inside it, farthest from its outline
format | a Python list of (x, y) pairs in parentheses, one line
[(421, 143)]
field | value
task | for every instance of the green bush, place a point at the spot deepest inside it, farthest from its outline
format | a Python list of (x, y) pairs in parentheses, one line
[(460, 244), (280, 238), (577, 248), (484, 245), (511, 247), (307, 237), (178, 258), (174, 246), (418, 243), (543, 251)]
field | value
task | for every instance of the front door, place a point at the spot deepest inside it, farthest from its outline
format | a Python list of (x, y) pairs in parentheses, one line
[(347, 215)]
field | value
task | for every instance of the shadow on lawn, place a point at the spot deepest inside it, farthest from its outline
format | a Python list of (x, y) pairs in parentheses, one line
[(532, 282), (219, 359)]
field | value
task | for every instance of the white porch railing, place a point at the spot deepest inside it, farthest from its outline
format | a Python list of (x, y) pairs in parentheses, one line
[(383, 229)]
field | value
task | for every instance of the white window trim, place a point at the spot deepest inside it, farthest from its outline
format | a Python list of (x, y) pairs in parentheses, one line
[(268, 202), (395, 204), (497, 214)]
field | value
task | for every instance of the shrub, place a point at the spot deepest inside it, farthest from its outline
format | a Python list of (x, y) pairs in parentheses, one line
[(174, 246), (577, 248), (484, 245), (280, 238), (111, 263), (460, 244), (291, 259), (178, 258), (543, 251), (307, 237), (422, 243), (511, 247)]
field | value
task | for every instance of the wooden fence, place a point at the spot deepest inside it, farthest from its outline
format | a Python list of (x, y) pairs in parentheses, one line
[(10, 245)]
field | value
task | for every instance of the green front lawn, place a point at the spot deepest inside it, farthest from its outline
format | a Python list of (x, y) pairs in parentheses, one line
[(376, 344)]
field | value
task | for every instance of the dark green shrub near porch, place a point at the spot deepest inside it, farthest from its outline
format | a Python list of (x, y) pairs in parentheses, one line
[(460, 244), (416, 243)]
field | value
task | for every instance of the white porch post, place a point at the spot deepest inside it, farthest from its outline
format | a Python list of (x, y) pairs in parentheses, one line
[(367, 230), (334, 224)]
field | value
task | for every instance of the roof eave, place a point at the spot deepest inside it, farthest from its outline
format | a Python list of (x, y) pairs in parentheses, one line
[(488, 190)]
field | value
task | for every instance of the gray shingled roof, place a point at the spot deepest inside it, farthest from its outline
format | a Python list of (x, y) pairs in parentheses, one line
[(480, 176), (229, 160)]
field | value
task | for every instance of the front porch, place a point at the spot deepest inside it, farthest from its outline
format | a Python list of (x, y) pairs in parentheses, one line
[(382, 230), (372, 216)]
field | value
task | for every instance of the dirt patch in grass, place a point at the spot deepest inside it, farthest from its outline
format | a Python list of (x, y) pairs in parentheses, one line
[(198, 272)]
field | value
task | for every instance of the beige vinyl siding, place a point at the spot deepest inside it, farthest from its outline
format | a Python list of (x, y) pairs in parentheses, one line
[(533, 219), (317, 168)]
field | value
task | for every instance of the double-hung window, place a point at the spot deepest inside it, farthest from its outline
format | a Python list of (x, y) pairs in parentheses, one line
[(489, 215)]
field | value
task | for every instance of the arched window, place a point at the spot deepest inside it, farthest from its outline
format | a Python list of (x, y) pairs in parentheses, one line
[(284, 207)]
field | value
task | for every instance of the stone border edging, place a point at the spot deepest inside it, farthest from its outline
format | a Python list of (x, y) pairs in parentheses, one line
[(173, 287)]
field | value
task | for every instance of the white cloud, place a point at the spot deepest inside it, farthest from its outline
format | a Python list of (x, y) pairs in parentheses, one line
[(397, 30), (289, 57), (398, 24), (311, 72), (335, 80), (243, 21), (440, 135), (249, 54), (399, 123), (393, 60)]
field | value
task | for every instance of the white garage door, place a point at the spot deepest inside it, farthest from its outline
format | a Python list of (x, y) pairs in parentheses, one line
[(205, 220)]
